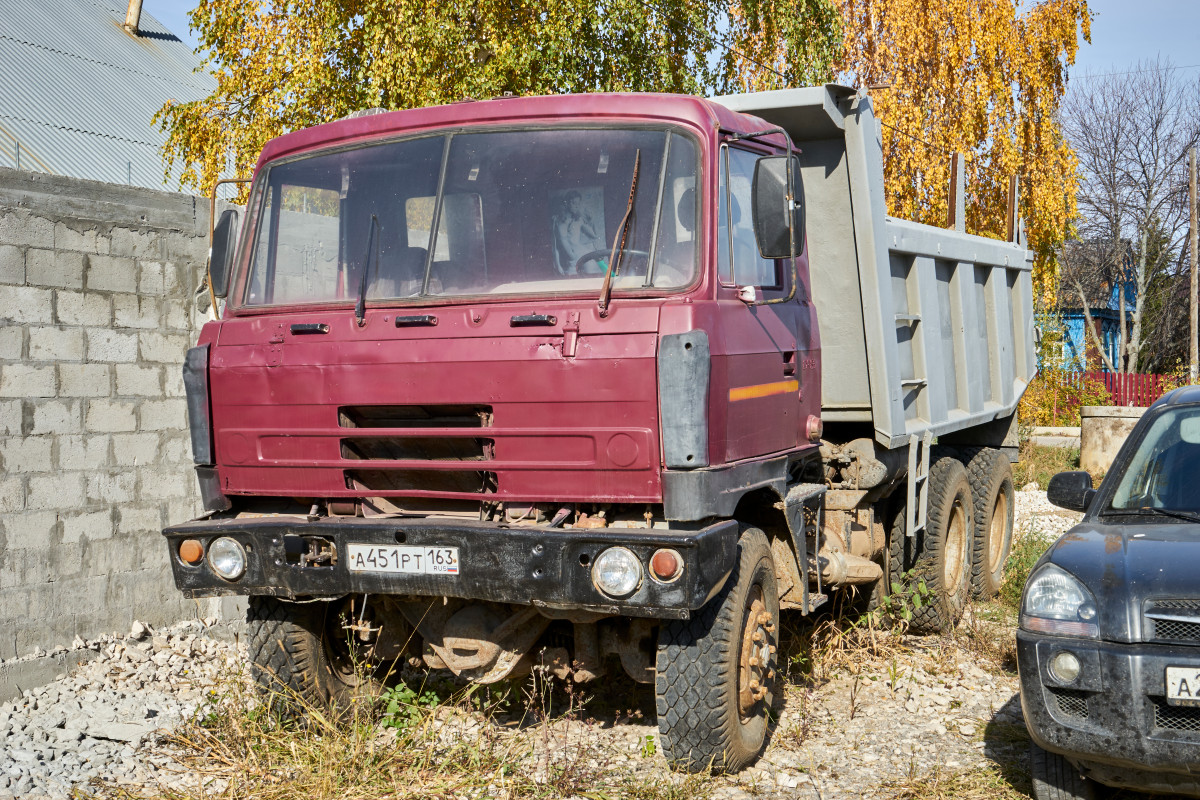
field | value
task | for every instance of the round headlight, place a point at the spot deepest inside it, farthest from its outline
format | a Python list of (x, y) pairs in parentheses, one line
[(617, 572), (227, 558), (1065, 667)]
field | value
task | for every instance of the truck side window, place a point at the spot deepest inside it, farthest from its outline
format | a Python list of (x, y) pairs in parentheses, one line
[(749, 268)]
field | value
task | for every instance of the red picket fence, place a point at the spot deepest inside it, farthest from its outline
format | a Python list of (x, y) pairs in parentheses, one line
[(1130, 388)]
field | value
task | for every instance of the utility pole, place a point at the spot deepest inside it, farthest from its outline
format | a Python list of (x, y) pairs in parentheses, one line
[(1193, 359)]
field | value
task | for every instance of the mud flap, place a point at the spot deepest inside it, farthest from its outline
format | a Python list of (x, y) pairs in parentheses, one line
[(799, 497)]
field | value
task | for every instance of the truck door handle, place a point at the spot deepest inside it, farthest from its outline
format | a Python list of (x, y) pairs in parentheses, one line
[(414, 320), (309, 327), (789, 362), (525, 320)]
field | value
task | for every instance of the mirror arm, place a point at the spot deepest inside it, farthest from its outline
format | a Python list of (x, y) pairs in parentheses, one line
[(212, 226), (791, 198)]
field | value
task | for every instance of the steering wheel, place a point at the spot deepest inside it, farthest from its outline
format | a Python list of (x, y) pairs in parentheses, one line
[(594, 254)]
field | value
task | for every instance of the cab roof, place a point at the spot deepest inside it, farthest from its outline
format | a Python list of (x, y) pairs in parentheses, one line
[(645, 107)]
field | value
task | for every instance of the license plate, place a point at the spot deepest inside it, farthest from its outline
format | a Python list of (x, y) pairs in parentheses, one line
[(402, 559), (1183, 686)]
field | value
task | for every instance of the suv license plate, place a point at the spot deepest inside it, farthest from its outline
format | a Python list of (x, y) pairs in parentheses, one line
[(402, 559), (1183, 686)]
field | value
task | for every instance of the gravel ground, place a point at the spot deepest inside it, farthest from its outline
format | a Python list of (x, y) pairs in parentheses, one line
[(881, 720)]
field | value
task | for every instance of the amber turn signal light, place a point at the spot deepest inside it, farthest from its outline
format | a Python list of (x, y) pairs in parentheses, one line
[(665, 565), (190, 551)]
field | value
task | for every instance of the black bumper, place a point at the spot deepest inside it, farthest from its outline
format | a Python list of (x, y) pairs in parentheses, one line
[(1113, 722), (546, 567)]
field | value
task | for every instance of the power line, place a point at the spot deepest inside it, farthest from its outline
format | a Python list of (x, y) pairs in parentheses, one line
[(1088, 76)]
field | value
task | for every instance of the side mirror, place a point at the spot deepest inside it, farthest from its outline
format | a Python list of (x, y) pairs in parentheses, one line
[(776, 226), (220, 262), (1071, 490)]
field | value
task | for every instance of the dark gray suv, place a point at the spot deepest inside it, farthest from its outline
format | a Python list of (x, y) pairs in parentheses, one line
[(1109, 642)]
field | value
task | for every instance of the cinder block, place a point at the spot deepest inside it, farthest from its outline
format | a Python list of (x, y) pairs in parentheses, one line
[(164, 415), (83, 238), (139, 519), (63, 491), (173, 382), (136, 243), (84, 308), (110, 416), (12, 494), (134, 449), (23, 380), (95, 525), (83, 452), (176, 450), (12, 342), (135, 380), (12, 264), (188, 508), (84, 380), (54, 417), (150, 278), (178, 316), (168, 348), (56, 344), (12, 417), (29, 531), (26, 304), (108, 345), (180, 278), (161, 485), (111, 274), (24, 229), (132, 311), (26, 454), (185, 247), (52, 268), (117, 487)]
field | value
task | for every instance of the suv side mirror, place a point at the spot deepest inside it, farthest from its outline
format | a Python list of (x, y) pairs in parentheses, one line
[(776, 226), (1071, 490), (220, 262)]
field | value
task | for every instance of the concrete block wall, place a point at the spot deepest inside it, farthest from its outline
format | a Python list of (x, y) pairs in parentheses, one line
[(96, 282)]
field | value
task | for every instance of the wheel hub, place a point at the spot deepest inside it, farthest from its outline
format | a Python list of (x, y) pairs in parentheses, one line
[(755, 673), (996, 537), (956, 548)]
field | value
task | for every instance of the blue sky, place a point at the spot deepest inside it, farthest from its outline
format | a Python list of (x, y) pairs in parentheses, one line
[(1124, 32)]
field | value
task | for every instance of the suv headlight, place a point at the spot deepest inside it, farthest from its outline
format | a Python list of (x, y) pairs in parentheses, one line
[(1056, 602)]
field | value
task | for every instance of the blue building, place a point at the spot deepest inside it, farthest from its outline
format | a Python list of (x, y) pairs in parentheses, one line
[(1079, 349)]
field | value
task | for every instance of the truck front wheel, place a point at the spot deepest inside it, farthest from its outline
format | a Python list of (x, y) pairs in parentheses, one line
[(301, 658), (716, 672)]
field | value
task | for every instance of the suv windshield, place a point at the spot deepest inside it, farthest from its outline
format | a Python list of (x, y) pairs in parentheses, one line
[(490, 213), (1162, 472)]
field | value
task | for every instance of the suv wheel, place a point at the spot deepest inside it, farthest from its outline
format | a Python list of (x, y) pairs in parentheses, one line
[(1055, 778)]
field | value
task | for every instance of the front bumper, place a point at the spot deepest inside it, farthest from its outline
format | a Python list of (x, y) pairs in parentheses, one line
[(1113, 721), (545, 567)]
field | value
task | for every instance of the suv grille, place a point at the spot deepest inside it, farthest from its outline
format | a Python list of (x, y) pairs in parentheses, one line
[(1175, 718), (1175, 620), (1070, 702)]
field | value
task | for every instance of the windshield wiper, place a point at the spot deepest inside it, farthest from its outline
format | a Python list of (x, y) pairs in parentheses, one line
[(1190, 516), (360, 305), (619, 239)]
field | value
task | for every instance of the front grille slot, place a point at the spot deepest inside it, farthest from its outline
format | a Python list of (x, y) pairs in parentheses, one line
[(1175, 718), (421, 480), (418, 448), (1177, 630), (1070, 702), (424, 416), (1176, 605)]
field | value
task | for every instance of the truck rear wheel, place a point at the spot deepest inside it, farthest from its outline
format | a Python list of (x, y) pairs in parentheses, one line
[(301, 658), (991, 478), (716, 672), (939, 557)]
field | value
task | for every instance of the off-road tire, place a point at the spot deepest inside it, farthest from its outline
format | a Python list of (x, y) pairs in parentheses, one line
[(990, 475), (1055, 778), (294, 661), (939, 557), (696, 685)]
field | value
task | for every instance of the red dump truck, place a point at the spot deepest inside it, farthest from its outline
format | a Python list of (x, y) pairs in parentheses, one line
[(600, 382)]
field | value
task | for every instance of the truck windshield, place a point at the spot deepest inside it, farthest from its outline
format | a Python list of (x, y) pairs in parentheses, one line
[(532, 211), (1162, 473)]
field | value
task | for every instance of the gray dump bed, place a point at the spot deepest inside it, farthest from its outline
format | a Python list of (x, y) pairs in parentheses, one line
[(931, 330)]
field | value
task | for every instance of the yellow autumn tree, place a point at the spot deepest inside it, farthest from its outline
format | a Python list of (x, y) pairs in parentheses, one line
[(984, 78)]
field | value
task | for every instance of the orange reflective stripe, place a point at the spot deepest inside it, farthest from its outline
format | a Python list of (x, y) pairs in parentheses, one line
[(763, 390)]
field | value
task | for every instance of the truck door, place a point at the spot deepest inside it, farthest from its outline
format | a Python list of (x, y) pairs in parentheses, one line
[(761, 351)]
